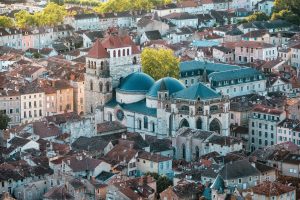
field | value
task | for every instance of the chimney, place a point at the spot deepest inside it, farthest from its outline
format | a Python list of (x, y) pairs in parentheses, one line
[(124, 136)]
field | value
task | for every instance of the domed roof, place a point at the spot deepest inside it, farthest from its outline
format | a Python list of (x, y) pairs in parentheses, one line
[(167, 83), (136, 82)]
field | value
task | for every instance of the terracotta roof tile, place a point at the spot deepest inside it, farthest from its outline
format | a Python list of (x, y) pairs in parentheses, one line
[(97, 51)]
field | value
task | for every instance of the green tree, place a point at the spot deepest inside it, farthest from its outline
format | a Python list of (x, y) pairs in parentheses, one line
[(6, 22), (160, 63), (257, 16), (4, 119), (162, 182), (288, 10), (51, 15), (24, 19), (59, 2), (126, 5), (286, 15)]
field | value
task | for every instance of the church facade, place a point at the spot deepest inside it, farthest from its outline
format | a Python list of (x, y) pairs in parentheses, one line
[(157, 108), (160, 108)]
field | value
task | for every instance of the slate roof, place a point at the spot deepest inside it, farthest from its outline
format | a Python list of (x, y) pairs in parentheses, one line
[(180, 16), (234, 74), (218, 184), (82, 164), (194, 133), (196, 91), (93, 35), (153, 35), (104, 176), (138, 107), (238, 169), (90, 144), (194, 66)]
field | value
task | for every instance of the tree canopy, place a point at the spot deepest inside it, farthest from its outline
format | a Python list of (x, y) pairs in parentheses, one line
[(51, 15), (6, 22), (257, 16), (162, 183), (160, 63), (127, 5), (4, 119), (287, 10)]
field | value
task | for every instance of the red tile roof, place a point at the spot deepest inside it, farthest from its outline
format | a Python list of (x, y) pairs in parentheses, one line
[(264, 109), (97, 51), (269, 189)]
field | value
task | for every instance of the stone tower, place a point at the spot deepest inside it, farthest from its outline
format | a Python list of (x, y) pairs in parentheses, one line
[(98, 82), (162, 106)]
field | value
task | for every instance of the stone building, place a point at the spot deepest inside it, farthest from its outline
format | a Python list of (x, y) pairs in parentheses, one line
[(10, 105), (262, 126), (191, 144), (160, 108), (107, 62), (98, 88)]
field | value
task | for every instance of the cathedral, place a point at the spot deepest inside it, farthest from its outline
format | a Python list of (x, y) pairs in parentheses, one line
[(158, 108)]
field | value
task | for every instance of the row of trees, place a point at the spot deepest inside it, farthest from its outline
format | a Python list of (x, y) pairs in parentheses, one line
[(127, 5), (51, 15)]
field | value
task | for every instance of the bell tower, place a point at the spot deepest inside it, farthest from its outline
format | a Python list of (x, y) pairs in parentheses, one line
[(98, 82)]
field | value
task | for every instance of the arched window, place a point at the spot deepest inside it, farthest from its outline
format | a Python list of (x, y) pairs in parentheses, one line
[(213, 108), (92, 109), (119, 53), (184, 123), (183, 152), (109, 116), (114, 53), (197, 153), (127, 52), (152, 127), (139, 124), (199, 123), (124, 52), (91, 85), (145, 122), (100, 87), (134, 60), (170, 124), (215, 126), (102, 65), (107, 87)]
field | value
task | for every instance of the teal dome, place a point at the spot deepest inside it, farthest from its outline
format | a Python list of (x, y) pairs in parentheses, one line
[(136, 82), (167, 83)]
